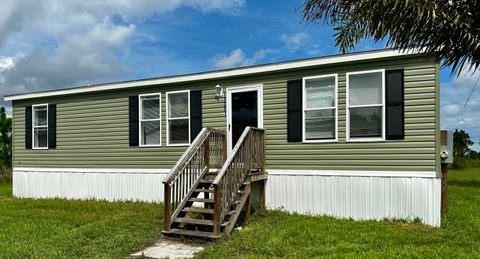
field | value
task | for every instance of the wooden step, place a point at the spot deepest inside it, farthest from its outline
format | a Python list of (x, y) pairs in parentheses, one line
[(201, 200), (206, 180), (203, 190), (209, 177), (198, 210), (190, 233), (213, 171), (205, 222)]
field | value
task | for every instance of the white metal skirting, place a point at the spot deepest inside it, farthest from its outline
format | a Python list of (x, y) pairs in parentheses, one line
[(357, 197), (104, 185)]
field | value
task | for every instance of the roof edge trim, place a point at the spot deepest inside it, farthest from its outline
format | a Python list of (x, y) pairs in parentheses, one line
[(358, 56)]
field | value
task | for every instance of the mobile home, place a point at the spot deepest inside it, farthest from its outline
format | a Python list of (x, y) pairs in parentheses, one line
[(351, 136)]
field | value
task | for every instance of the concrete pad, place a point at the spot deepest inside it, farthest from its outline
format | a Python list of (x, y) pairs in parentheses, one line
[(170, 248)]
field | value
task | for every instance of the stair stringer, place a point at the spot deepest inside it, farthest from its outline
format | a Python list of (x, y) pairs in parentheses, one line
[(238, 210)]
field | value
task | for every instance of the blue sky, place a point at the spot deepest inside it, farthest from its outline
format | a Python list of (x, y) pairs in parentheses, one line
[(56, 44)]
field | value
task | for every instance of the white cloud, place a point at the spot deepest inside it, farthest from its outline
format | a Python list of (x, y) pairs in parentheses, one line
[(224, 5), (111, 34), (78, 59), (451, 109), (257, 56), (6, 63), (59, 17), (56, 44), (237, 58), (294, 41)]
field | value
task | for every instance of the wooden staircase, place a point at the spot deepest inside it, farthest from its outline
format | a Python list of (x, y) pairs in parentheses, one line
[(206, 191)]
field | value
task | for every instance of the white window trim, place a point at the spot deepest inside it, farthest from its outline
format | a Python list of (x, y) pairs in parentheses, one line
[(179, 118), (365, 139), (304, 107), (140, 120), (33, 125)]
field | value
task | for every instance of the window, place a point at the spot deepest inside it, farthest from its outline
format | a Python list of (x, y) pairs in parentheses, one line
[(365, 106), (320, 108), (178, 118), (40, 126), (150, 120)]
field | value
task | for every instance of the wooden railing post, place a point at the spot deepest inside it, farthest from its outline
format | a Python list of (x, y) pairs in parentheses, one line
[(167, 208), (217, 211), (263, 137), (225, 139), (206, 152), (249, 151), (248, 207)]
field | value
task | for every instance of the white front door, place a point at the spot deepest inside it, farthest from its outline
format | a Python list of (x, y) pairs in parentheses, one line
[(244, 108)]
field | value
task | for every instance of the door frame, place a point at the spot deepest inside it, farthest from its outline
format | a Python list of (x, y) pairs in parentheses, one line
[(239, 89)]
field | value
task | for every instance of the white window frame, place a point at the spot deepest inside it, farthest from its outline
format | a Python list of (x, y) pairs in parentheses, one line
[(348, 106), (140, 120), (37, 127), (304, 110), (180, 118)]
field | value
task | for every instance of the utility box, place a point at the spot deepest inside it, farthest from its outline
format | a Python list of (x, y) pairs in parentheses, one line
[(446, 148)]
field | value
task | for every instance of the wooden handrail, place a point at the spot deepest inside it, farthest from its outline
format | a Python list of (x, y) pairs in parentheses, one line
[(187, 154), (234, 152), (248, 154), (205, 151)]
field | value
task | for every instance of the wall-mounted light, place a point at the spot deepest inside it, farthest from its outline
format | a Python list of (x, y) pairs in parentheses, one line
[(219, 92)]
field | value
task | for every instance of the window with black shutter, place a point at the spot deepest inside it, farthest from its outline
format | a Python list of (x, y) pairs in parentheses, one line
[(41, 126)]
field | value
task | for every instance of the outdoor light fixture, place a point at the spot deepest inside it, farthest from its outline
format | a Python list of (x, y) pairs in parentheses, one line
[(219, 92)]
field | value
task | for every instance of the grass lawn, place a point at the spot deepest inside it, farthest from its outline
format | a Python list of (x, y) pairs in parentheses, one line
[(61, 228), (275, 233)]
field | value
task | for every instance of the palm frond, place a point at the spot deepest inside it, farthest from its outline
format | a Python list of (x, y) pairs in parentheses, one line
[(448, 29)]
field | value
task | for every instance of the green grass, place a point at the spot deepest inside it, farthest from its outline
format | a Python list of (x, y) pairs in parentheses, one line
[(279, 234), (62, 228)]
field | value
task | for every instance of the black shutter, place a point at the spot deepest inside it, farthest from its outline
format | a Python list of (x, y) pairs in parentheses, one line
[(28, 127), (133, 120), (395, 108), (195, 113), (294, 111), (52, 126)]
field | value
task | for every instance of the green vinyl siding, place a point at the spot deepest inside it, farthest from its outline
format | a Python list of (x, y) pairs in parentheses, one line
[(92, 129)]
